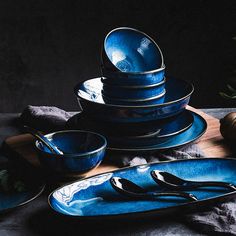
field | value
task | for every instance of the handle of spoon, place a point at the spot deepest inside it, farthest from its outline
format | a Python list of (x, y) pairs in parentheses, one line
[(45, 141), (188, 196), (211, 184)]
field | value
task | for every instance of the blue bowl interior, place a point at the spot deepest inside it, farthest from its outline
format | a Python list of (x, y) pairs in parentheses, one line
[(132, 51), (75, 142)]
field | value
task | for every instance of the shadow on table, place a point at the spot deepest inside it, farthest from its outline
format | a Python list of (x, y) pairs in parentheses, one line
[(46, 222)]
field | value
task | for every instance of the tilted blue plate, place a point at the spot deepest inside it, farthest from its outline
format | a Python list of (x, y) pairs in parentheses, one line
[(94, 197), (197, 129), (176, 98), (13, 199)]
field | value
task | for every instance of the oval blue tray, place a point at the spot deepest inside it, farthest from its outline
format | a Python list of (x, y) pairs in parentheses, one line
[(176, 98), (94, 197)]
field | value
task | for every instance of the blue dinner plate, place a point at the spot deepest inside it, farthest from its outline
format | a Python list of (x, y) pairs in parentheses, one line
[(13, 199), (161, 128), (94, 197), (176, 98), (194, 132)]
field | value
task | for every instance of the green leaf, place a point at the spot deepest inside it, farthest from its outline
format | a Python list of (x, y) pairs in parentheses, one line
[(224, 95), (231, 88)]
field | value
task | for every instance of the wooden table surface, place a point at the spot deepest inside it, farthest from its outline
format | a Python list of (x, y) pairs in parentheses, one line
[(211, 143)]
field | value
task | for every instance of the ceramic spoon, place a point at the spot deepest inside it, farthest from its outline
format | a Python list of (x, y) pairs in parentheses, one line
[(130, 189), (170, 181), (44, 140)]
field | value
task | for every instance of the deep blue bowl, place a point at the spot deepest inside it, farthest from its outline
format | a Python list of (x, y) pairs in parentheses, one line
[(89, 96), (83, 151), (124, 93), (118, 78), (130, 50)]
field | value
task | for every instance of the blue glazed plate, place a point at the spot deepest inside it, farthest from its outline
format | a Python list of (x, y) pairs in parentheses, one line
[(160, 129), (13, 199), (176, 98), (194, 132), (94, 197)]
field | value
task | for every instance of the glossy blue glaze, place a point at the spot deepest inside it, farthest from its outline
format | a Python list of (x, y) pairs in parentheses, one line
[(82, 150), (132, 93), (160, 128), (133, 79), (194, 132), (177, 96), (94, 197), (129, 50)]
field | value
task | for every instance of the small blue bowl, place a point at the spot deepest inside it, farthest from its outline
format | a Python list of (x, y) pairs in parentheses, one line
[(127, 93), (130, 50), (148, 78), (83, 151)]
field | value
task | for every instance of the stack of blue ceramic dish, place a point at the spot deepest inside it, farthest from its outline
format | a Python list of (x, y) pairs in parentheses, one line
[(133, 105), (132, 68)]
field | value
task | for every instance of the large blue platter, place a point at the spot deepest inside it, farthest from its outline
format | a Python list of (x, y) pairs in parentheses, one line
[(194, 132), (95, 198), (176, 98)]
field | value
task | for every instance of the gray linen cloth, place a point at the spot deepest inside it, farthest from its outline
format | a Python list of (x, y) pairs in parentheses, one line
[(217, 220)]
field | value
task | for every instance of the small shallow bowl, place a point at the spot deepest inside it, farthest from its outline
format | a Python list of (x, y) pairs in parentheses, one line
[(134, 93), (130, 50), (148, 78), (83, 151)]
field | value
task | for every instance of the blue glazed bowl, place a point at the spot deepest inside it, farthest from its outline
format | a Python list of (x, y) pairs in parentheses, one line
[(147, 78), (128, 102), (130, 50), (124, 93), (178, 93), (83, 151)]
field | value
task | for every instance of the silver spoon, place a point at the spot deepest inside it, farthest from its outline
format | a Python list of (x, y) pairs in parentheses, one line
[(170, 181), (44, 140), (130, 189)]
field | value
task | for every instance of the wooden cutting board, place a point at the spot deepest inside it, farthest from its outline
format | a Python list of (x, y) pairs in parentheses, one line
[(211, 143)]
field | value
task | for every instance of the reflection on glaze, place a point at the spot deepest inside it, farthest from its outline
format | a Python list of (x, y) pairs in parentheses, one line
[(65, 195), (143, 168), (144, 44)]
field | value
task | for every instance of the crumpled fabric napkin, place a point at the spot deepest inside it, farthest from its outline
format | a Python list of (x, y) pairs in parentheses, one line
[(45, 118), (217, 220)]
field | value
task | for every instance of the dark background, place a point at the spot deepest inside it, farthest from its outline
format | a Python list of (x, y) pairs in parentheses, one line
[(46, 47)]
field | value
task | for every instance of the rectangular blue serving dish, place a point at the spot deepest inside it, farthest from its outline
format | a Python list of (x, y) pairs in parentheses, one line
[(94, 197)]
